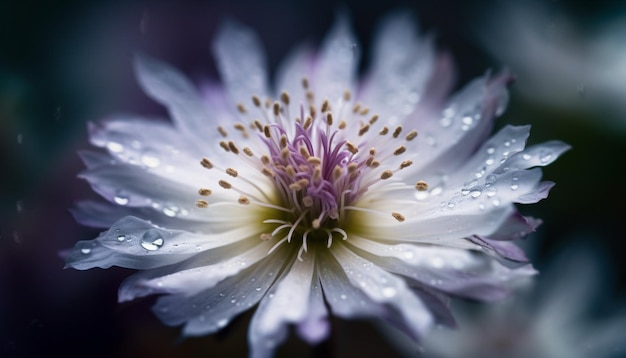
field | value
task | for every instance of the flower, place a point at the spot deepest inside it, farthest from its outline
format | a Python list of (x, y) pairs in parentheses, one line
[(550, 319), (323, 196)]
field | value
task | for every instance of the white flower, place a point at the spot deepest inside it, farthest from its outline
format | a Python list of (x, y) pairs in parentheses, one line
[(318, 196)]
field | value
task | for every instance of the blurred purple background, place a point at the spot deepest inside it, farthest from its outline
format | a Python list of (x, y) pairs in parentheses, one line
[(65, 63)]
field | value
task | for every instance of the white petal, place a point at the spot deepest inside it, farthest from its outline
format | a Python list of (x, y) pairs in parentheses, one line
[(537, 155), (336, 64), (296, 66), (241, 62), (315, 326), (449, 141), (135, 243), (287, 302), (401, 67), (172, 89), (384, 288), (212, 309), (461, 272)]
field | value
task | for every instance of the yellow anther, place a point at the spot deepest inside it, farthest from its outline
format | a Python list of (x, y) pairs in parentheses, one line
[(304, 152), (337, 172), (342, 125), (347, 95), (290, 171), (267, 172), (364, 111), (317, 172), (356, 108), (239, 127), (285, 153), (314, 160)]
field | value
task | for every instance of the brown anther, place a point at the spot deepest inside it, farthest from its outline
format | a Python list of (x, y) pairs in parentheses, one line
[(304, 168), (276, 108), (342, 125), (373, 119), (232, 172), (398, 216), (307, 201), (284, 153), (401, 149), (224, 146), (317, 172), (284, 97), (421, 186), (356, 108), (303, 182), (347, 95), (206, 163), (268, 102), (352, 148), (352, 167), (364, 129), (329, 119), (248, 151), (384, 130), (316, 223), (265, 159), (243, 200), (337, 172), (372, 151), (265, 236), (411, 135), (202, 204), (266, 131), (324, 106), (204, 191), (256, 100), (290, 171), (386, 174), (397, 131), (364, 111), (241, 108), (314, 160), (239, 127), (283, 141), (258, 125), (308, 122), (267, 172), (305, 82), (224, 184), (312, 111), (233, 148), (375, 164), (304, 152), (405, 164), (222, 131), (369, 161)]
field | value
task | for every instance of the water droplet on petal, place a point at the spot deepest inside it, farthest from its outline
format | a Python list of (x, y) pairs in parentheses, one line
[(389, 291), (514, 187), (475, 193), (491, 150), (171, 211), (85, 251), (115, 147), (343, 297), (468, 120), (121, 238), (222, 323), (526, 156), (150, 160), (121, 197), (152, 240)]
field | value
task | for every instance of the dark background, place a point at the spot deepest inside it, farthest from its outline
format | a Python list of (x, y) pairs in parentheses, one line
[(68, 62)]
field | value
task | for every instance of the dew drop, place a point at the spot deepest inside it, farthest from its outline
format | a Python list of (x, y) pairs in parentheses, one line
[(152, 240), (121, 197), (437, 262), (343, 297), (526, 156), (121, 238), (475, 193), (514, 187), (468, 120), (496, 202), (115, 147), (450, 204), (85, 251), (491, 192), (545, 158), (491, 150), (222, 323), (171, 211), (150, 160), (389, 292), (507, 143), (490, 161)]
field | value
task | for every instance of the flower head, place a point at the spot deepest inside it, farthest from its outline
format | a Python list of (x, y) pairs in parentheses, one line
[(372, 198)]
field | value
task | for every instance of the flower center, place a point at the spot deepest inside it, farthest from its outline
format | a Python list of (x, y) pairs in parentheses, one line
[(318, 168)]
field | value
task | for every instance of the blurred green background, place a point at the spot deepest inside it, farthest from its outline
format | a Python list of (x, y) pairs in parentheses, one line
[(65, 63)]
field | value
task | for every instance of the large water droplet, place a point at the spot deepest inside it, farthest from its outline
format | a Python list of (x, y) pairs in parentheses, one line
[(526, 156), (85, 251), (121, 238), (171, 211), (222, 323), (152, 240), (491, 150), (468, 120), (389, 291), (475, 193)]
